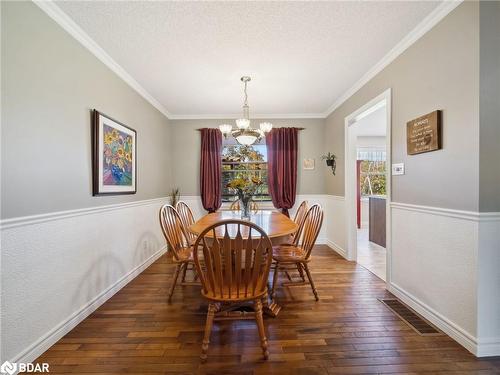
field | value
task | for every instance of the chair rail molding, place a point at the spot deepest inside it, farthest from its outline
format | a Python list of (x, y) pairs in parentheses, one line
[(448, 212), (41, 218)]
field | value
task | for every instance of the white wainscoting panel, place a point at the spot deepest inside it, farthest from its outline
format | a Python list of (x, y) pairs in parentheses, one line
[(58, 268), (434, 258), (444, 265), (489, 285)]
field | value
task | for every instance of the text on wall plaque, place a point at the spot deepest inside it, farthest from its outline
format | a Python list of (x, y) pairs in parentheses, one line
[(424, 133)]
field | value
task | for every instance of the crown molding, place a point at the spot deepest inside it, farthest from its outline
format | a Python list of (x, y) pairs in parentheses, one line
[(260, 116), (56, 13), (441, 11), (61, 18)]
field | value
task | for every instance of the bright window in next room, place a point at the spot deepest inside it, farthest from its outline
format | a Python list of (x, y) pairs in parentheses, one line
[(244, 162), (372, 174)]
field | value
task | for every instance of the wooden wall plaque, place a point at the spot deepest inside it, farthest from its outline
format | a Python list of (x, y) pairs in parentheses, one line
[(424, 133)]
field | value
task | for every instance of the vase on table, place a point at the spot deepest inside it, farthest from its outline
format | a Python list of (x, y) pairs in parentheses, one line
[(245, 206)]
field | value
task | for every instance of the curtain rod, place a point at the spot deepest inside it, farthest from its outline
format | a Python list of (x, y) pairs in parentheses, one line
[(273, 128)]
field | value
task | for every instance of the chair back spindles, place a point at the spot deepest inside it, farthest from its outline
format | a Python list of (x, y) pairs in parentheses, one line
[(235, 206), (299, 218), (187, 219), (233, 259), (310, 229), (300, 215), (173, 229)]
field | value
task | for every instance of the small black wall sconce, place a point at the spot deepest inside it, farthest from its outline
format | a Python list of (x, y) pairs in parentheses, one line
[(330, 161)]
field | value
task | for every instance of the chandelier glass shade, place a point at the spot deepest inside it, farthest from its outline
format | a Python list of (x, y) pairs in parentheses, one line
[(244, 133)]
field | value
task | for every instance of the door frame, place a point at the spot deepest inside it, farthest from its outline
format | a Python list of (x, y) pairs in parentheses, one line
[(350, 176)]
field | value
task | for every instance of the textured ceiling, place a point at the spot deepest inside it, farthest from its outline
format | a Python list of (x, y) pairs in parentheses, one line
[(302, 56)]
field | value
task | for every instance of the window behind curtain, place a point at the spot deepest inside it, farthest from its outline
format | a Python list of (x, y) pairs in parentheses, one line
[(244, 161), (372, 170)]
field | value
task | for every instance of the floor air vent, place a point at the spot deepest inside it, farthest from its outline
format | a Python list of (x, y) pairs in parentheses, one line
[(420, 325)]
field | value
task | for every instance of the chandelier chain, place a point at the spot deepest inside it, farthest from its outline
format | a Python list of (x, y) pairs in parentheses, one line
[(246, 95), (245, 134)]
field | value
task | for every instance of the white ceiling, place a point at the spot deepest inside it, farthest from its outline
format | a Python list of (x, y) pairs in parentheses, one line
[(373, 125), (302, 56)]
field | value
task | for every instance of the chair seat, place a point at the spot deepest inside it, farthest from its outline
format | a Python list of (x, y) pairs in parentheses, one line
[(185, 254), (288, 253)]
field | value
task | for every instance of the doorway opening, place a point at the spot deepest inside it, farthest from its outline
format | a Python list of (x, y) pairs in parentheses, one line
[(368, 186)]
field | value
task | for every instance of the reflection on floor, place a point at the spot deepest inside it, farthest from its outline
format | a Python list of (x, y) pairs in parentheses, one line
[(370, 255), (348, 331)]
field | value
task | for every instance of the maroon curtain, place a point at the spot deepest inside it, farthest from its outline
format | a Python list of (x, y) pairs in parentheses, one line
[(211, 169), (282, 144)]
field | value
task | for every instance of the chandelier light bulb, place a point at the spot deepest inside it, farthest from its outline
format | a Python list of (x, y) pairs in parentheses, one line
[(266, 127), (225, 129), (243, 123)]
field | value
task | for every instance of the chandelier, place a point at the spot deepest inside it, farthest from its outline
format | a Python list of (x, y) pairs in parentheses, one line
[(244, 133)]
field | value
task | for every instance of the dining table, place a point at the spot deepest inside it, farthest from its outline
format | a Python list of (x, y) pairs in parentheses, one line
[(277, 226)]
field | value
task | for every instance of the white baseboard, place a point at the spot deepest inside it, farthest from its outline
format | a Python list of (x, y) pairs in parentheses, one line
[(338, 249), (488, 348), (321, 241), (45, 342), (464, 338)]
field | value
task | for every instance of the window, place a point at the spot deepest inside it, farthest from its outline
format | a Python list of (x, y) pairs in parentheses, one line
[(372, 177), (246, 162)]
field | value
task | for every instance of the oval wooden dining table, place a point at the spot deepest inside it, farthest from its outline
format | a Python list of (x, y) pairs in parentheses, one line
[(276, 225)]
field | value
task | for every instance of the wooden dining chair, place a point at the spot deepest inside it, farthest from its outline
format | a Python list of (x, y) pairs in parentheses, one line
[(182, 251), (299, 217), (233, 259), (235, 206), (298, 254), (187, 219)]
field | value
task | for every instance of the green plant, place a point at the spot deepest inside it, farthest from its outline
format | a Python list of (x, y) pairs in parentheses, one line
[(330, 161), (174, 196), (328, 156), (245, 186)]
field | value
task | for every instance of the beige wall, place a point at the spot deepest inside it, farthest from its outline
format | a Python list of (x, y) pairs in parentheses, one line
[(439, 71), (489, 171), (185, 146), (49, 85)]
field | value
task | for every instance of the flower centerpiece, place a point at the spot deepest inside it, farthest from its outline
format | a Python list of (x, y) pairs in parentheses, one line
[(245, 188)]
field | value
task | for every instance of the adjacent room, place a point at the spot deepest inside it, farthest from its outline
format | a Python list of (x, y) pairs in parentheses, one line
[(233, 187), (371, 176)]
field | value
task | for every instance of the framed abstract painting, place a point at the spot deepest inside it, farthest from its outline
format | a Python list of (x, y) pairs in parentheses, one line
[(114, 156)]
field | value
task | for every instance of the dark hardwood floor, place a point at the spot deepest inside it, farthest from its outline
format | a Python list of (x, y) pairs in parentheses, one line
[(347, 332)]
